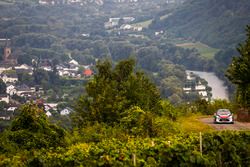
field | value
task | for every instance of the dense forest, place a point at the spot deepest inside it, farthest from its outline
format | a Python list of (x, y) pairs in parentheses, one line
[(217, 23)]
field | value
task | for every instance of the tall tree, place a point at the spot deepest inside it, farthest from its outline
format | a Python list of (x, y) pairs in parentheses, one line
[(31, 129), (2, 87), (115, 90), (238, 72)]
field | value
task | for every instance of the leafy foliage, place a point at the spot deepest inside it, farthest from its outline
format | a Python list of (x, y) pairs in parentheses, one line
[(31, 130), (2, 87), (113, 91), (239, 72), (223, 148)]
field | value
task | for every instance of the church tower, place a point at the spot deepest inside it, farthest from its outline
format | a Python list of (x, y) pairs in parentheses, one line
[(8, 58), (7, 53)]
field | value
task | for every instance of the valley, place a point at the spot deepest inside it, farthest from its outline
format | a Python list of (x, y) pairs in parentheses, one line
[(124, 82)]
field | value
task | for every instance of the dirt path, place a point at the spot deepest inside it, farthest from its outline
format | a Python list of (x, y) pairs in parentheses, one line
[(235, 126)]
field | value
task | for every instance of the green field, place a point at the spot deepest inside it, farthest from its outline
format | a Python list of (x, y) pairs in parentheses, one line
[(143, 24), (165, 16), (204, 50), (146, 23)]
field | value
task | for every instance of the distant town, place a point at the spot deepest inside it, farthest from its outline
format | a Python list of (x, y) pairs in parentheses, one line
[(14, 92)]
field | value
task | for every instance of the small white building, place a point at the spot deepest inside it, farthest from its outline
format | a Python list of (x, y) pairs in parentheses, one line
[(24, 90), (2, 69), (11, 109), (23, 66), (66, 111), (126, 27), (5, 98), (137, 28), (187, 89), (73, 62), (48, 114), (203, 93), (200, 87), (46, 68), (50, 106), (11, 90)]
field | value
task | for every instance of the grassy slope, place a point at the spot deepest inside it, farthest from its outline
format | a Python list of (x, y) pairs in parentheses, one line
[(205, 50), (143, 24), (192, 124)]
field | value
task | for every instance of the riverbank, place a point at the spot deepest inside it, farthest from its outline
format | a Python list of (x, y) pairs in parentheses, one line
[(219, 91)]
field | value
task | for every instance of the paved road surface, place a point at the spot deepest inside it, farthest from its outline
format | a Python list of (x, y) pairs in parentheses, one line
[(235, 126)]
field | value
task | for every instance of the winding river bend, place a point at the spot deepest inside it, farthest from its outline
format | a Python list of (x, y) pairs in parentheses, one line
[(219, 91)]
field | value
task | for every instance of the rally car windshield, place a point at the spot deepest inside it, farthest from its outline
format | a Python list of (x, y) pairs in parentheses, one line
[(223, 112)]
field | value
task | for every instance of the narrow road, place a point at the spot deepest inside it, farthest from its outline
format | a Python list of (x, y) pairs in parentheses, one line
[(235, 126)]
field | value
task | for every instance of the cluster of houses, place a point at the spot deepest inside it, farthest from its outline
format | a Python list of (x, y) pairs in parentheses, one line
[(9, 71), (194, 85), (122, 24), (72, 69)]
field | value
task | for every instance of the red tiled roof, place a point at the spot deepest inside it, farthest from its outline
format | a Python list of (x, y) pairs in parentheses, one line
[(87, 72)]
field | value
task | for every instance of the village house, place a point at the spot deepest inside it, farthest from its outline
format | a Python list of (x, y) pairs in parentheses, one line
[(48, 114), (24, 68), (11, 109), (5, 98), (4, 68), (126, 27), (11, 89), (87, 73), (25, 91), (115, 21), (46, 68), (50, 106), (66, 111), (194, 85), (71, 70), (74, 65), (9, 77)]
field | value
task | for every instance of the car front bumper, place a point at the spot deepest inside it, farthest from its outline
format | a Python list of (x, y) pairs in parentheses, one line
[(224, 120)]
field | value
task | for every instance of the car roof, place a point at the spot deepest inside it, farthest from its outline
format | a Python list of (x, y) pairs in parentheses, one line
[(223, 110)]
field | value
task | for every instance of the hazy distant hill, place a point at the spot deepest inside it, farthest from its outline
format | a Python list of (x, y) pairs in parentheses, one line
[(219, 23)]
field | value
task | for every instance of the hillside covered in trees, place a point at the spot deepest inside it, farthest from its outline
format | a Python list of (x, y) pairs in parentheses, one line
[(62, 32), (218, 23)]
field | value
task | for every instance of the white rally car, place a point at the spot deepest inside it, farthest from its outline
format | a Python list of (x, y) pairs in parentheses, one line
[(223, 116)]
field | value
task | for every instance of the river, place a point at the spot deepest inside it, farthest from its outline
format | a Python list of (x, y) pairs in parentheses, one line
[(219, 91)]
